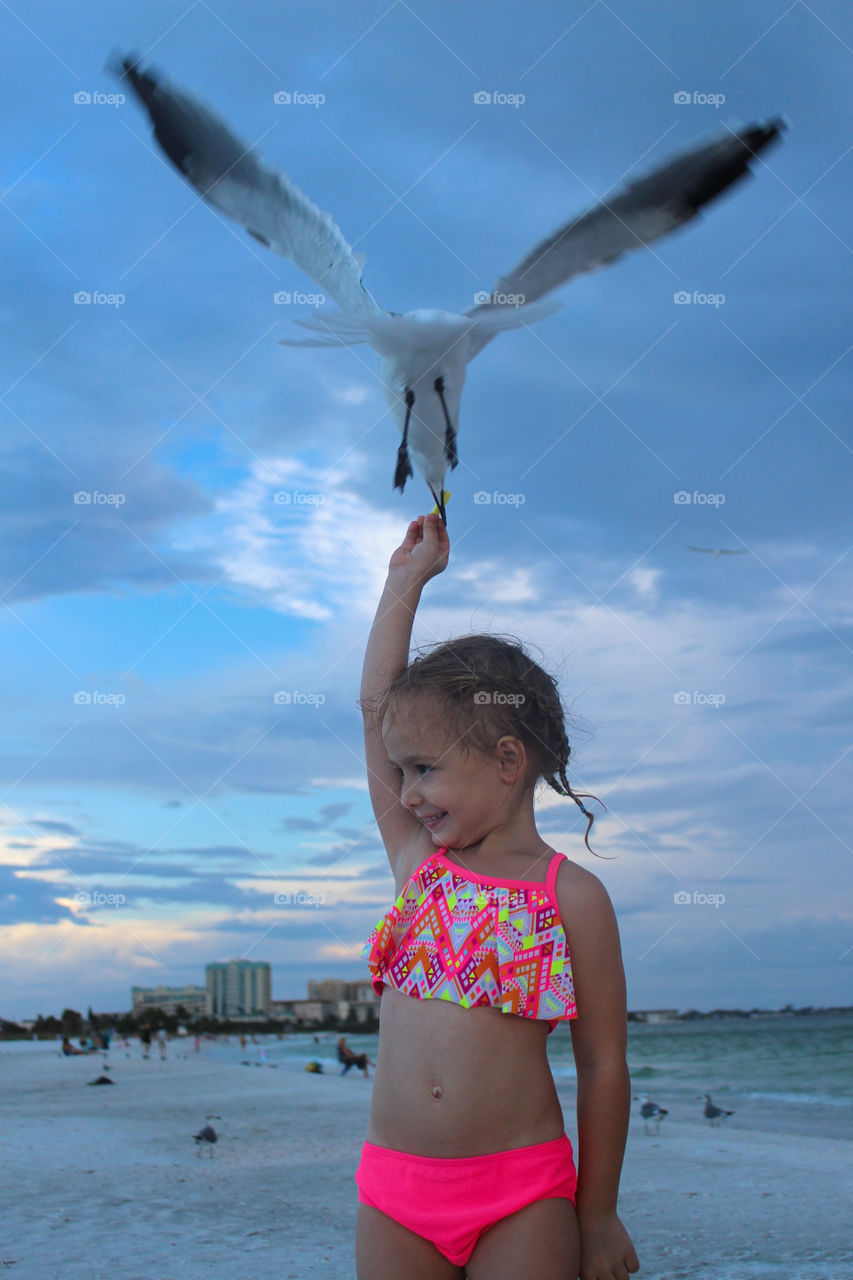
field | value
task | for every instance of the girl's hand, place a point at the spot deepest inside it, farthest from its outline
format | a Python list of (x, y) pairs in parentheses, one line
[(606, 1249), (424, 551)]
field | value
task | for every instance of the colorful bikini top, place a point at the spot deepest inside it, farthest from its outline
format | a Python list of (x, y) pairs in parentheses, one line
[(475, 940)]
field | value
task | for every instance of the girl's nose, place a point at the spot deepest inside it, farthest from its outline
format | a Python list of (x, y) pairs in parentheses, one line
[(411, 796)]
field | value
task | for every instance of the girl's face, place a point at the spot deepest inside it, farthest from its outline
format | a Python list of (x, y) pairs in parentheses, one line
[(458, 796)]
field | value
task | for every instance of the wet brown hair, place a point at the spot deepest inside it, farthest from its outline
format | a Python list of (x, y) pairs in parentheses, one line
[(488, 686)]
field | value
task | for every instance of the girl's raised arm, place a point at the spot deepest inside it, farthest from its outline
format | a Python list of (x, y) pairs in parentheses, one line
[(423, 553)]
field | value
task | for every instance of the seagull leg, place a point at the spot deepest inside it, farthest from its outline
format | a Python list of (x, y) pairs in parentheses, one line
[(450, 431), (439, 502), (404, 466)]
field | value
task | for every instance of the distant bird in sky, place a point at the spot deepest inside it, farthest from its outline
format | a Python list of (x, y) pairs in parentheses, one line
[(424, 353), (712, 1113), (721, 551), (651, 1111)]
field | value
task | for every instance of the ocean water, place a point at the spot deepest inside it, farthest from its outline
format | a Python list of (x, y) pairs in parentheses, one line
[(781, 1073)]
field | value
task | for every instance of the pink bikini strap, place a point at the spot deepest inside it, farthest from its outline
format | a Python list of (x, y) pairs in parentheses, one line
[(551, 878)]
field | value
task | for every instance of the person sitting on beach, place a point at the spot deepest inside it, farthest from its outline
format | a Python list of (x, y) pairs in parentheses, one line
[(493, 940), (68, 1048), (350, 1059)]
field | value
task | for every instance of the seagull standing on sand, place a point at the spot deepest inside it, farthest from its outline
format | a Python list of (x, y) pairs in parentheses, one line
[(712, 1113), (206, 1136), (651, 1111), (424, 354)]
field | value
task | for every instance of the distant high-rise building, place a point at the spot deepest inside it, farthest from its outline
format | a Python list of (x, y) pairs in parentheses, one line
[(238, 989)]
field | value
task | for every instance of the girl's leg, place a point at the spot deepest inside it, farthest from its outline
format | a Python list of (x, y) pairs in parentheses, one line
[(384, 1250), (540, 1242)]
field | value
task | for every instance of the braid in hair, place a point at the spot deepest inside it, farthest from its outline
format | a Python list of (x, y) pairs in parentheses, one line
[(553, 744)]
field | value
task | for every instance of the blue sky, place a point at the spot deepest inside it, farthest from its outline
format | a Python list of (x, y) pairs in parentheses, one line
[(156, 796)]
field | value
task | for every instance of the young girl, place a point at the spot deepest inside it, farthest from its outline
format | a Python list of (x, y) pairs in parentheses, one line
[(493, 940)]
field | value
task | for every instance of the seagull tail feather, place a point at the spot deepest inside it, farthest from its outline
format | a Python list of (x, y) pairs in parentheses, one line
[(337, 330)]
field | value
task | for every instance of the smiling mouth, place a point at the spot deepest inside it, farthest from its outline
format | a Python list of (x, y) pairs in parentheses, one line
[(434, 820)]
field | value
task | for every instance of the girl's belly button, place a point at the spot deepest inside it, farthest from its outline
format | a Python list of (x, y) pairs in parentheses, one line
[(436, 1090)]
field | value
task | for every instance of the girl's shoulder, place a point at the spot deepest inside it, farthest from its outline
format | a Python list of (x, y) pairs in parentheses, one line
[(580, 894)]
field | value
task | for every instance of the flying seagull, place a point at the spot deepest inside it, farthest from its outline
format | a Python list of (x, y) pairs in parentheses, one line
[(424, 353), (720, 551)]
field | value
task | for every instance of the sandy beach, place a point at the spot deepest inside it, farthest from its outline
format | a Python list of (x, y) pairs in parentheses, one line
[(105, 1182)]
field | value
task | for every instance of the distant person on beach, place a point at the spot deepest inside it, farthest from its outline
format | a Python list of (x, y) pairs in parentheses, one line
[(68, 1048), (466, 1162), (350, 1059), (145, 1040), (161, 1043)]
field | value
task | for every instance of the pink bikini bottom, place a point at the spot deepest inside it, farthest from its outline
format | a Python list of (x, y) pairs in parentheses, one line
[(453, 1201)]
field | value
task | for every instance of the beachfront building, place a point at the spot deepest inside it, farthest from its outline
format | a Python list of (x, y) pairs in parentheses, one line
[(238, 989), (338, 989), (192, 1000)]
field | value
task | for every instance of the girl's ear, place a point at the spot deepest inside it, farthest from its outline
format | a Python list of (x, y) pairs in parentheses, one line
[(511, 757)]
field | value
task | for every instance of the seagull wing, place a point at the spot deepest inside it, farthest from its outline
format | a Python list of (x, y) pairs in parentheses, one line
[(228, 174), (739, 551), (634, 216), (708, 550)]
